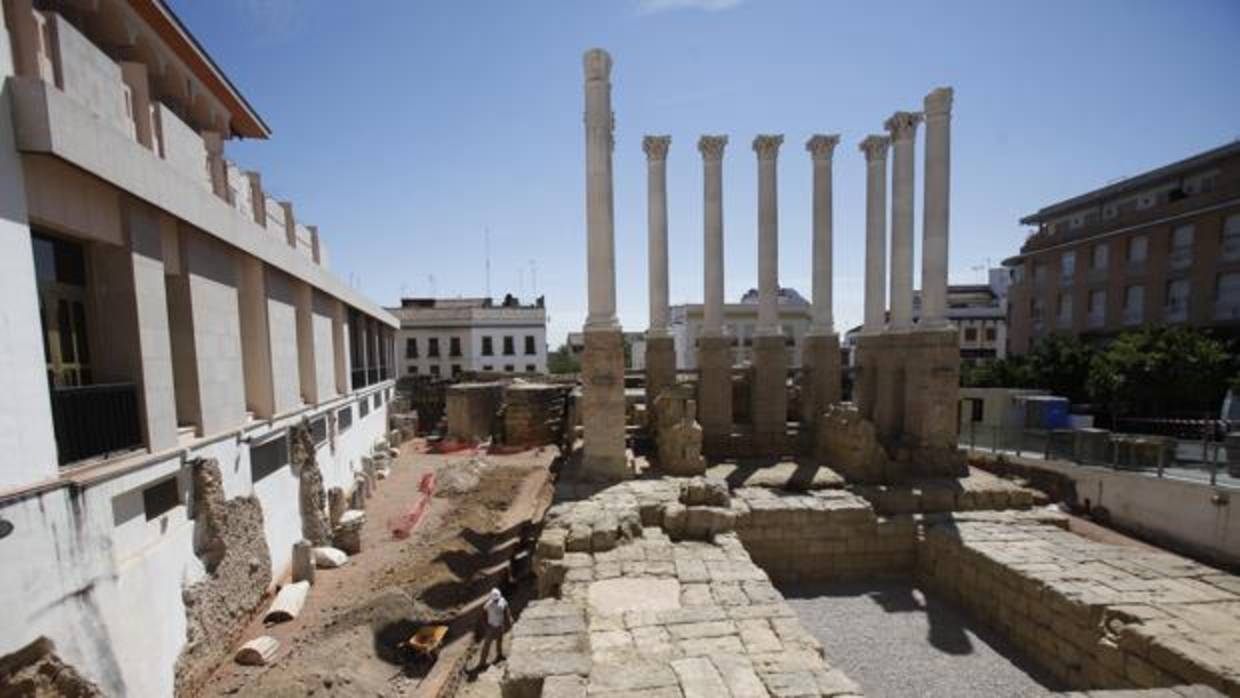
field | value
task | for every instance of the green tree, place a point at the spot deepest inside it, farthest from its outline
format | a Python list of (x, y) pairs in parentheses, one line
[(1158, 371), (563, 360), (1060, 363)]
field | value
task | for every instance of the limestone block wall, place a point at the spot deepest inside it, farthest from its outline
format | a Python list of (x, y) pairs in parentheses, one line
[(212, 276), (282, 329), (530, 413), (821, 535), (472, 408), (324, 346)]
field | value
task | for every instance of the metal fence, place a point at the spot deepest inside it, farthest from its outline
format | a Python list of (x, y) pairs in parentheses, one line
[(1204, 457), (95, 420)]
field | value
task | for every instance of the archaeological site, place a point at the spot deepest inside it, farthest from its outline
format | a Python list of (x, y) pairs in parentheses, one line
[(225, 471)]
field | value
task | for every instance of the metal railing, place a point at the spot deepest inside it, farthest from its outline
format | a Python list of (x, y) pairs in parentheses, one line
[(1193, 450), (95, 420)]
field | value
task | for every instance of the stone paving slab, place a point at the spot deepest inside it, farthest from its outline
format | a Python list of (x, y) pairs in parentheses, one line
[(784, 475)]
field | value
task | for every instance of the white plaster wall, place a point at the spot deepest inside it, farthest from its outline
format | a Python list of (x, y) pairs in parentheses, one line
[(212, 271), (105, 584), (27, 443), (282, 329)]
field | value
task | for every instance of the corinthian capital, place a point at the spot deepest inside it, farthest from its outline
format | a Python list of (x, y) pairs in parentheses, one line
[(938, 102), (656, 147), (597, 64), (767, 146), (903, 125), (711, 147), (822, 147), (875, 148)]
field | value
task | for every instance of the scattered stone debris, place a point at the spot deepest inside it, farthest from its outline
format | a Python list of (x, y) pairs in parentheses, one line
[(315, 526), (288, 602), (347, 535), (37, 671), (678, 436), (328, 558), (460, 477), (258, 652)]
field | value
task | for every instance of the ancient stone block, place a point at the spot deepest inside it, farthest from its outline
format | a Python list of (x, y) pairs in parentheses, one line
[(678, 437), (660, 366), (769, 399), (714, 393), (347, 535), (303, 562), (820, 375), (604, 455), (312, 499), (848, 443), (472, 410), (704, 491), (36, 670)]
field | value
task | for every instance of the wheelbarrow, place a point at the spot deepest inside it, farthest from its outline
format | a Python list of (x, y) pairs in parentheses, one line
[(426, 641)]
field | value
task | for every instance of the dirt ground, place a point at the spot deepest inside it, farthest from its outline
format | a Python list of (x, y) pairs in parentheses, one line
[(345, 640)]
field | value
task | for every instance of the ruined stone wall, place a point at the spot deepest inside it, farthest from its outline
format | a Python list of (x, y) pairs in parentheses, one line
[(532, 412), (233, 550), (472, 409), (37, 671), (1095, 615), (821, 535)]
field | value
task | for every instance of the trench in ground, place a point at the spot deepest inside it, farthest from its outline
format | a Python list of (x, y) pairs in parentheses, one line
[(897, 640)]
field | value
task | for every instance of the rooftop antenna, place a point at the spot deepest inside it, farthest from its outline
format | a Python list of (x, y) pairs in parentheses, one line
[(486, 248)]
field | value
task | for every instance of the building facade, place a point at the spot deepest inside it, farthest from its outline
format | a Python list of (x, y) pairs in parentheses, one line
[(450, 336), (159, 307), (739, 322), (979, 312), (1162, 247)]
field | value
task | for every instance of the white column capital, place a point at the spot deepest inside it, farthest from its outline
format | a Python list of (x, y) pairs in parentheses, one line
[(767, 145), (903, 125), (875, 148), (822, 147), (656, 147), (711, 147), (938, 103)]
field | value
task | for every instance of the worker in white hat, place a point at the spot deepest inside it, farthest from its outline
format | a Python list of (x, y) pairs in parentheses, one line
[(498, 618)]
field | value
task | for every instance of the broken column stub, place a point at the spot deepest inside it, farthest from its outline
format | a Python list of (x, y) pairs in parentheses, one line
[(303, 561), (347, 535), (660, 366), (315, 525), (678, 436)]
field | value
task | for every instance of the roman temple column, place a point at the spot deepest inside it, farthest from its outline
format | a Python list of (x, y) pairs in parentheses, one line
[(769, 391), (820, 357), (869, 343), (936, 220), (602, 365), (903, 128), (714, 348), (660, 350)]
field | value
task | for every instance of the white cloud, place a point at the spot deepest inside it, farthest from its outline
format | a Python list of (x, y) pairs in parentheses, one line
[(648, 7)]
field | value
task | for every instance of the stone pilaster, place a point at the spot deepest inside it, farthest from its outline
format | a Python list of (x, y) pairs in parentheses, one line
[(604, 456), (931, 396), (715, 392), (875, 149), (820, 376), (936, 221), (865, 374), (660, 367), (903, 128)]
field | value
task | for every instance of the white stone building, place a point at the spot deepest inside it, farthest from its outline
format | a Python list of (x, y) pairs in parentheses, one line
[(448, 336), (739, 323), (157, 306)]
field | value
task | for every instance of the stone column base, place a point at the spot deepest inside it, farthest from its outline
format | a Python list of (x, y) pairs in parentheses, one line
[(865, 375), (769, 393), (714, 403), (932, 388), (820, 377), (604, 456), (660, 368)]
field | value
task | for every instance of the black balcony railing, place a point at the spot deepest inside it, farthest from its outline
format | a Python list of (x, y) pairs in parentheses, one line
[(95, 420)]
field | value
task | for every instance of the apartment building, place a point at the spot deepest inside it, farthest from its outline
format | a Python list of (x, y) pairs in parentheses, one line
[(158, 306), (979, 312), (739, 322), (1160, 247), (450, 336)]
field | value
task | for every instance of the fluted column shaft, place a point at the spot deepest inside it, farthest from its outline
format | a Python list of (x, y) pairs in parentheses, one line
[(935, 224), (711, 148), (903, 129), (821, 149), (875, 149), (600, 222), (767, 148), (656, 220)]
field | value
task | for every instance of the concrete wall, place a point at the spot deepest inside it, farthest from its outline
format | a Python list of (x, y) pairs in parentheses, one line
[(27, 443), (324, 346), (89, 75), (104, 582)]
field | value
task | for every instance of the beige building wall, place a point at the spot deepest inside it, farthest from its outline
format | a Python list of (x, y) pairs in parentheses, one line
[(303, 298), (211, 269), (282, 328), (255, 340), (324, 346)]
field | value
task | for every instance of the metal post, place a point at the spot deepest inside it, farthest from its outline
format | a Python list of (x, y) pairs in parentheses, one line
[(1162, 457), (1214, 467)]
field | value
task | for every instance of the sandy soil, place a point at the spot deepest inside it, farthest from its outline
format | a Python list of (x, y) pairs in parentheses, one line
[(345, 640)]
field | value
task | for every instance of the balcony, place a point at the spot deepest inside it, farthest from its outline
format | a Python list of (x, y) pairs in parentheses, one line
[(95, 420)]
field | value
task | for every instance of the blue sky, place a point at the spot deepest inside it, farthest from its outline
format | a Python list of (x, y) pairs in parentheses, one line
[(405, 129)]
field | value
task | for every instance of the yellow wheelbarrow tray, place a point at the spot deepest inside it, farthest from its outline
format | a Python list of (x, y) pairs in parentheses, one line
[(427, 640)]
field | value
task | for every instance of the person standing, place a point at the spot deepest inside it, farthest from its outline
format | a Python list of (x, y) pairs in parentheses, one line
[(497, 619)]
